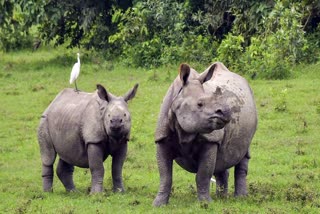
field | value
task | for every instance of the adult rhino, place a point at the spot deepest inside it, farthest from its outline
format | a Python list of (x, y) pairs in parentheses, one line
[(206, 124), (84, 129)]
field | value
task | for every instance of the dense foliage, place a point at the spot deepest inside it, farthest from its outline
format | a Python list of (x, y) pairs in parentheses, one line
[(260, 38), (12, 33)]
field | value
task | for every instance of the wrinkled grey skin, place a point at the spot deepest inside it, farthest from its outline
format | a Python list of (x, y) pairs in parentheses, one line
[(84, 129), (206, 124)]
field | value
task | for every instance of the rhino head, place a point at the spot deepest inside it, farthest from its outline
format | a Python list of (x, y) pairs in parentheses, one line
[(116, 116), (197, 111)]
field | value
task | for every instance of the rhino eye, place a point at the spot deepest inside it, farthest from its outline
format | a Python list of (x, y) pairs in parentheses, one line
[(200, 104), (108, 115), (125, 114)]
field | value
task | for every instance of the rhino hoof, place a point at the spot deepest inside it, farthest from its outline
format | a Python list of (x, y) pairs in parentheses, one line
[(72, 190), (160, 201), (96, 190), (121, 190), (48, 190)]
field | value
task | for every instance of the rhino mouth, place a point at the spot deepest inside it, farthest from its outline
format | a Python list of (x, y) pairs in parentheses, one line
[(117, 134), (219, 121), (219, 118), (116, 129)]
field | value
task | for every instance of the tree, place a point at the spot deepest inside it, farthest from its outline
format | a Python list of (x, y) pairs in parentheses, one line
[(6, 16), (80, 23), (12, 33)]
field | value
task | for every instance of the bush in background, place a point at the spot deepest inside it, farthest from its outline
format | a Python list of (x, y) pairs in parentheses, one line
[(13, 35), (279, 44), (261, 39)]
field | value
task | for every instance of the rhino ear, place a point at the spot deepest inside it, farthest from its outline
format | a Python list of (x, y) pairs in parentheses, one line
[(131, 94), (103, 94), (205, 76), (184, 73)]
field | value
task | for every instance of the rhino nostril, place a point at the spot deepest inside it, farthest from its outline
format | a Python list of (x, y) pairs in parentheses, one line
[(116, 122), (219, 112)]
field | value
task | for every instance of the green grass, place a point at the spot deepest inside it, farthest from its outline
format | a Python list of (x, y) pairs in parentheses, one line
[(284, 175)]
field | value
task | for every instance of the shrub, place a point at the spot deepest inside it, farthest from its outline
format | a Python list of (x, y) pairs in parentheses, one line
[(13, 38), (198, 48), (12, 34), (147, 32), (153, 33), (280, 100), (230, 50), (311, 53), (271, 54), (262, 59)]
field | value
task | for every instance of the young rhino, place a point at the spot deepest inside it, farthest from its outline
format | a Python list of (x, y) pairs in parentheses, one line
[(206, 125), (84, 129)]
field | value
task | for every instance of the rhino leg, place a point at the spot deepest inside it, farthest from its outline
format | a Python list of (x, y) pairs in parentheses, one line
[(206, 166), (48, 156), (95, 156), (65, 174), (165, 161), (117, 164), (240, 175), (47, 177), (222, 183)]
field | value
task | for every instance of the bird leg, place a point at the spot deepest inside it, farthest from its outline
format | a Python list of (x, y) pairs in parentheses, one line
[(75, 82)]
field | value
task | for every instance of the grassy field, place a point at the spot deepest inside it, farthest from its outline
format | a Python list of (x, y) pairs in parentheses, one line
[(284, 171)]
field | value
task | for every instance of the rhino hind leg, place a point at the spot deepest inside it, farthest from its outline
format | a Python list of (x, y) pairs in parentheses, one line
[(222, 183), (65, 174), (48, 156), (47, 178), (240, 176)]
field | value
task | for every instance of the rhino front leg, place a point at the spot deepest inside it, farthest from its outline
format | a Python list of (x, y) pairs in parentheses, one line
[(65, 174), (95, 156), (222, 183), (165, 161), (207, 162), (240, 176), (117, 164)]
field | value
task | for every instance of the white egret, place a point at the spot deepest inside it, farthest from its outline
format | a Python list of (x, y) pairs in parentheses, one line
[(75, 72), (213, 181)]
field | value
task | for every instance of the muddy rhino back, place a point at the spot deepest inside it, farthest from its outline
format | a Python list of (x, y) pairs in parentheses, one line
[(239, 132)]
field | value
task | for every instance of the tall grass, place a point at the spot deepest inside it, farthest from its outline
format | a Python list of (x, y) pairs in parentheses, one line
[(283, 171)]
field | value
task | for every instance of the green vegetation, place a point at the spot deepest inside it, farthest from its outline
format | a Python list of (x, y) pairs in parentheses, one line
[(275, 44), (263, 39), (283, 171)]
